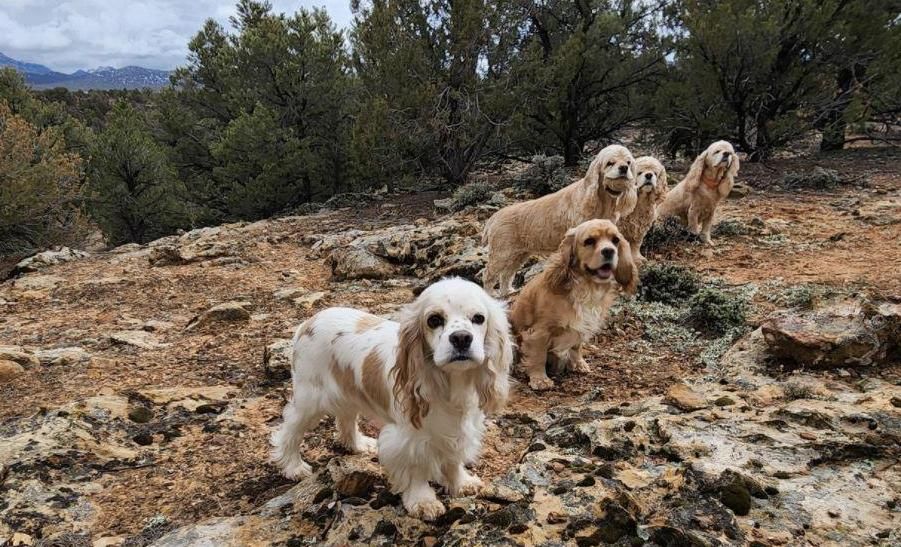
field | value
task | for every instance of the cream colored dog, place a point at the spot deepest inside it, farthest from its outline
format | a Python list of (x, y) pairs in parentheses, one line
[(650, 177), (708, 182), (536, 227)]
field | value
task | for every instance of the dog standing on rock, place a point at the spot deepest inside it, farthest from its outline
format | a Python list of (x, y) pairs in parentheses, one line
[(430, 379), (536, 227)]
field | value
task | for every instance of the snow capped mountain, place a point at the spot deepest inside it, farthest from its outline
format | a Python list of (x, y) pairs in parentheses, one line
[(104, 77)]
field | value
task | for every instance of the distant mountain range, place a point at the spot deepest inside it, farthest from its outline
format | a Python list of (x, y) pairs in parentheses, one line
[(105, 77)]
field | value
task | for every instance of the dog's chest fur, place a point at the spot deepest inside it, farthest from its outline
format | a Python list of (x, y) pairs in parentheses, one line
[(589, 310)]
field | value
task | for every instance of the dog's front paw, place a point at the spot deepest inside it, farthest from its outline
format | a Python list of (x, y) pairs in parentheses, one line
[(368, 445), (540, 383), (425, 509), (469, 486), (580, 365)]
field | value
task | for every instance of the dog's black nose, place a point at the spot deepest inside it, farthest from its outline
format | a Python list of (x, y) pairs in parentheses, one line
[(608, 253), (648, 176), (623, 169), (460, 339)]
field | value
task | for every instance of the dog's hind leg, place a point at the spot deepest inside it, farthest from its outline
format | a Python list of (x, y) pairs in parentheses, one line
[(349, 436), (300, 416)]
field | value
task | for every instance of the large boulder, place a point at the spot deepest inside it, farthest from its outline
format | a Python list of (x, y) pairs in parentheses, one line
[(850, 333), (426, 250), (225, 312), (46, 259)]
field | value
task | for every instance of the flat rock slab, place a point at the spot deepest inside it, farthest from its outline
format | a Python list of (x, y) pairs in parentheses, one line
[(846, 334)]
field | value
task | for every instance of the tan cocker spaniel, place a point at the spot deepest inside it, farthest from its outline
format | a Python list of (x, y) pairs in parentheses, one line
[(650, 178), (535, 227), (567, 303), (708, 182)]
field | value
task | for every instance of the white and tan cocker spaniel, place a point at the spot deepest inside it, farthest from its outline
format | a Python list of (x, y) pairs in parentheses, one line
[(430, 379)]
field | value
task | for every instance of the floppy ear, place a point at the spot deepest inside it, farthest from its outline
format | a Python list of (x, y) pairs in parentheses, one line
[(560, 265), (696, 171), (409, 367), (626, 273), (733, 167), (662, 185), (494, 384), (627, 202), (593, 175)]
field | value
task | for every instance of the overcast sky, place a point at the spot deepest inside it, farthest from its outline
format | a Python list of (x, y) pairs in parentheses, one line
[(66, 35)]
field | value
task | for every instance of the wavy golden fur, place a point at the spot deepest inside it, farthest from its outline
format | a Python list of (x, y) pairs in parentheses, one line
[(708, 182), (567, 303), (535, 227)]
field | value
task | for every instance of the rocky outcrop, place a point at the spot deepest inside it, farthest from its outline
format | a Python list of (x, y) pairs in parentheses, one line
[(851, 333), (53, 462), (220, 244), (449, 247), (595, 473), (46, 259), (225, 312)]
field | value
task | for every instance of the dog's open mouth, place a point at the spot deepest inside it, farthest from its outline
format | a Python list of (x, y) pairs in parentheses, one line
[(612, 192), (604, 272), (460, 357)]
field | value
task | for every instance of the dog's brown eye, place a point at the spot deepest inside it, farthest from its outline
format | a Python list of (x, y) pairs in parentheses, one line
[(590, 242), (615, 240), (478, 319), (609, 163), (434, 321)]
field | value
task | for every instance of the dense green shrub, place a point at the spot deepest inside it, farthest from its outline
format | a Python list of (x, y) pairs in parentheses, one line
[(716, 312), (818, 178), (668, 283), (470, 195), (666, 233), (543, 176)]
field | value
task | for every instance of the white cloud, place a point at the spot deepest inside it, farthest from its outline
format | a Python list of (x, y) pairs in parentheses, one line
[(72, 34)]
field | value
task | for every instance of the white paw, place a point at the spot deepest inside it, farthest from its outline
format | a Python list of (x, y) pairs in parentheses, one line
[(425, 509), (367, 445), (298, 470), (581, 366), (540, 383), (470, 485)]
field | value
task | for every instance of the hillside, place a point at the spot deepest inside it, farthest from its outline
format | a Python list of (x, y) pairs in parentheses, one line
[(138, 386), (129, 77)]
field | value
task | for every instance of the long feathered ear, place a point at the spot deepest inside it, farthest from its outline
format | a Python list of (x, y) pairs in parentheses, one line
[(593, 175), (626, 272), (696, 171), (560, 265), (494, 384), (733, 167), (409, 368), (662, 185)]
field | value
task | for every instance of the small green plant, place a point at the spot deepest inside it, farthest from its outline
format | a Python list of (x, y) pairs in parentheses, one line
[(544, 176), (666, 233), (470, 195), (818, 178), (731, 228), (716, 312), (800, 296), (668, 283)]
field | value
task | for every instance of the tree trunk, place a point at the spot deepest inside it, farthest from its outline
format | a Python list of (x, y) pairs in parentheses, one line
[(833, 124)]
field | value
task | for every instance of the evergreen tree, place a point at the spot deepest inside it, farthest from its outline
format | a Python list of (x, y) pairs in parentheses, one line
[(135, 196)]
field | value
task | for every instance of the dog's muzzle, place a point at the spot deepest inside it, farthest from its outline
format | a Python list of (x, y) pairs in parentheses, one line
[(604, 272)]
